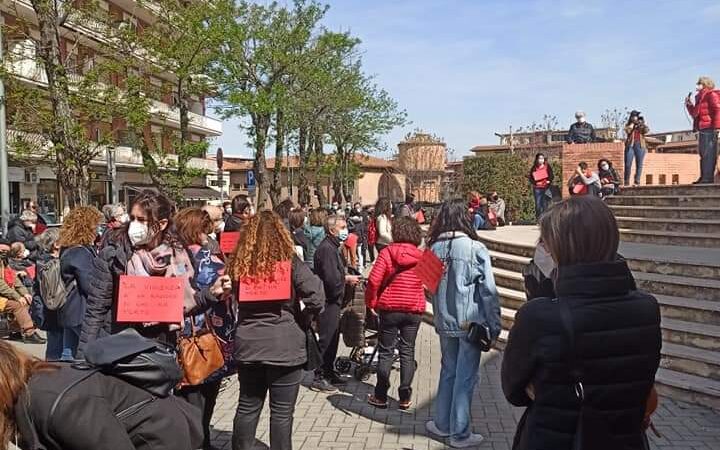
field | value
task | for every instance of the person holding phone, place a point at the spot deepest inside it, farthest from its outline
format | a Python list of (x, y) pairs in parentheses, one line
[(706, 121), (582, 359), (635, 145)]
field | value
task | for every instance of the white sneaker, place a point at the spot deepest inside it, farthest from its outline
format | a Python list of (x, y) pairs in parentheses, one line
[(432, 428), (471, 441)]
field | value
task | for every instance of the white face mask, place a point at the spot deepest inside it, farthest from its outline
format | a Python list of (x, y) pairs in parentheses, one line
[(604, 167), (581, 119), (220, 227), (228, 210), (138, 232), (699, 87), (26, 253), (541, 160)]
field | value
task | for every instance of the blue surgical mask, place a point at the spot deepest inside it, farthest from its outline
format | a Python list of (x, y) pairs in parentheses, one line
[(343, 235)]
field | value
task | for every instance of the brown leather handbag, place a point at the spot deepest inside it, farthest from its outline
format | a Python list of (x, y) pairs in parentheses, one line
[(199, 354)]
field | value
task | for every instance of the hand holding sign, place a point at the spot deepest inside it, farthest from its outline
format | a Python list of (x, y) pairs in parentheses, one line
[(150, 299), (430, 271), (274, 288)]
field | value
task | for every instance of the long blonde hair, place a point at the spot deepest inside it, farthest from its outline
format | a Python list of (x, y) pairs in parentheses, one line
[(264, 241)]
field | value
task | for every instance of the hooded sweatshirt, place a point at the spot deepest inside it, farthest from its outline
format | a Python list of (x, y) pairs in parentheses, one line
[(405, 292)]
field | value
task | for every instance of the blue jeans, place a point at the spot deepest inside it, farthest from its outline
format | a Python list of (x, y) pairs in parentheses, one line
[(635, 151), (540, 201), (707, 148), (478, 221), (62, 344), (459, 370)]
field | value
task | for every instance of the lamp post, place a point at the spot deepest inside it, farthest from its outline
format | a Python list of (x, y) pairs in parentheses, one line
[(4, 179)]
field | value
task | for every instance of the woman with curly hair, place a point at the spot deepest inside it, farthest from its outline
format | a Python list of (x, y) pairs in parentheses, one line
[(147, 246), (270, 341), (77, 252)]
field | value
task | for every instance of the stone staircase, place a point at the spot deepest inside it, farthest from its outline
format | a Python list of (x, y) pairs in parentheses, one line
[(685, 279), (669, 215)]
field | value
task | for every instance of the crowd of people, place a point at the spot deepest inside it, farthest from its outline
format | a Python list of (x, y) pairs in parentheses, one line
[(270, 343)]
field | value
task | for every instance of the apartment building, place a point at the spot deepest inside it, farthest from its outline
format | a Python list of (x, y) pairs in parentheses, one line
[(115, 171)]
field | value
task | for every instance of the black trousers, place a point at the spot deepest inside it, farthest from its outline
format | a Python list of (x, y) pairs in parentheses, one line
[(392, 325), (203, 397), (256, 380), (329, 330), (707, 148)]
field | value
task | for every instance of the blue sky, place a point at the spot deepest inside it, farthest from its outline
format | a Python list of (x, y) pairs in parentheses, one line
[(464, 69)]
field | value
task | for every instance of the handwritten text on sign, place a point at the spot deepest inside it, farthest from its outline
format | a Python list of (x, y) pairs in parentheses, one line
[(275, 288), (150, 299), (228, 241)]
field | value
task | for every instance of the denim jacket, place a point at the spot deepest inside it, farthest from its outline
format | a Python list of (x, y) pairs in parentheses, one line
[(467, 291)]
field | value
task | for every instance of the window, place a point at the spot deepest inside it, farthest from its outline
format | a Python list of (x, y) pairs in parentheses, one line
[(675, 179), (648, 179), (157, 136), (237, 186), (662, 179)]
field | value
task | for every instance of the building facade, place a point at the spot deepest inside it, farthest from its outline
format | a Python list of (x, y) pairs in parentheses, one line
[(115, 171)]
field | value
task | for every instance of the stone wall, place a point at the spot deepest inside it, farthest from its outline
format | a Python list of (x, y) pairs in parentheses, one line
[(670, 168), (572, 154)]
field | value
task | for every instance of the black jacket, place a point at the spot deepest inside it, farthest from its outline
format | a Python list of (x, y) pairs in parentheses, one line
[(233, 223), (617, 334), (581, 133), (18, 232), (75, 266), (99, 320), (90, 415), (272, 332), (330, 267)]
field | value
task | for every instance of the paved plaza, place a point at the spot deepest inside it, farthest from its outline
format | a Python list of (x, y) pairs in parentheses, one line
[(345, 421)]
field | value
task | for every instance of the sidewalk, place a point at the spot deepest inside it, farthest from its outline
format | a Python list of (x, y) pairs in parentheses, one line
[(345, 421)]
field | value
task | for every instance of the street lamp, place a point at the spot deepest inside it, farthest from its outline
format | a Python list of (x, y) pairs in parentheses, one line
[(4, 179)]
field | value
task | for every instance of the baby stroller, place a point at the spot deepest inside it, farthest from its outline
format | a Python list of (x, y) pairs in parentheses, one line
[(359, 330)]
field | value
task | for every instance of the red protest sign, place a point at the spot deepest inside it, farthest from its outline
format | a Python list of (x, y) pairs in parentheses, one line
[(430, 270), (228, 241), (150, 299), (276, 287), (31, 271)]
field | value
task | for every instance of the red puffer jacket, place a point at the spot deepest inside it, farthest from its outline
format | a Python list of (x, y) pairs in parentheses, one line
[(405, 292), (706, 111)]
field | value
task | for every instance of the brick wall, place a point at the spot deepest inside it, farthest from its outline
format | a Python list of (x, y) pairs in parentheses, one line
[(670, 168), (572, 154)]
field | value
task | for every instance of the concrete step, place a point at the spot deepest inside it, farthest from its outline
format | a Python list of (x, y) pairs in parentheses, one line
[(710, 200), (689, 309), (508, 261), (691, 360), (688, 388), (674, 189), (511, 248), (509, 279), (510, 298), (705, 240), (666, 212), (681, 269), (693, 288), (507, 317), (709, 226), (691, 334)]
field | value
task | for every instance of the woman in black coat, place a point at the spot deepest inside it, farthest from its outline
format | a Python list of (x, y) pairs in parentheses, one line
[(44, 406), (77, 253), (589, 356), (270, 340)]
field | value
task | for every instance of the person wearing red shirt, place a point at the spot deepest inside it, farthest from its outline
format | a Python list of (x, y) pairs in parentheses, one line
[(396, 294), (706, 121), (541, 177)]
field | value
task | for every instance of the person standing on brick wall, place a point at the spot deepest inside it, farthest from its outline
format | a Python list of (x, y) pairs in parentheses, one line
[(635, 146), (706, 121), (581, 132)]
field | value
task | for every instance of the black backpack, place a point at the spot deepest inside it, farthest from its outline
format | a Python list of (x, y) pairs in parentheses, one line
[(53, 291)]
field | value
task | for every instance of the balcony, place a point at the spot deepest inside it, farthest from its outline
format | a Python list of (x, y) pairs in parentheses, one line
[(27, 68), (124, 156)]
